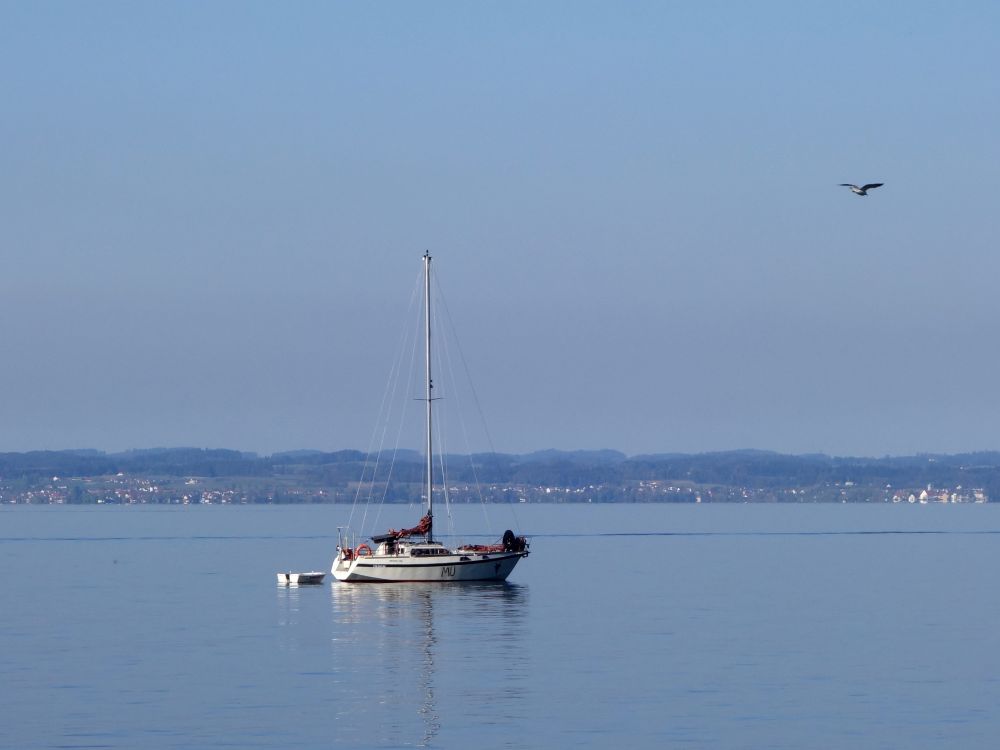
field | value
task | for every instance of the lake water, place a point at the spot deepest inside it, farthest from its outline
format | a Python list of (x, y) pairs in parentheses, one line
[(661, 626)]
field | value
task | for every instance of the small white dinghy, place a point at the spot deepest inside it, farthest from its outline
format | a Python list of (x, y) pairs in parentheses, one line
[(313, 577)]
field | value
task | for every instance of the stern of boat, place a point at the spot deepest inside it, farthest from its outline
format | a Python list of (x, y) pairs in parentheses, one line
[(342, 563)]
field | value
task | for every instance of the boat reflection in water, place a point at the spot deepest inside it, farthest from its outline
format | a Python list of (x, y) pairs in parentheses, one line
[(416, 660)]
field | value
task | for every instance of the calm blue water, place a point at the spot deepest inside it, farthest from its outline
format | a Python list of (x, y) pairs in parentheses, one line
[(638, 626)]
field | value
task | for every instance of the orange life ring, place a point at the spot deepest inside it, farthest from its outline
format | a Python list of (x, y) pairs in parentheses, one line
[(363, 550)]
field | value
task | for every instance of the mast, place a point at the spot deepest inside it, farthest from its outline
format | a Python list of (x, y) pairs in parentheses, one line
[(429, 388)]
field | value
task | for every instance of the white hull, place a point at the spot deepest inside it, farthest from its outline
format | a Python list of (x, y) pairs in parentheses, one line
[(296, 579), (455, 567)]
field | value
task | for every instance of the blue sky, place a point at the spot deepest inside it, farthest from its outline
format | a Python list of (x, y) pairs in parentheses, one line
[(211, 215)]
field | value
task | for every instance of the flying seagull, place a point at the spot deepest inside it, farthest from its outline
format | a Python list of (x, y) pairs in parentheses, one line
[(863, 190)]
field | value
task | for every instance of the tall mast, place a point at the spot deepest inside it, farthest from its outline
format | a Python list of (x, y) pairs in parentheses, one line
[(429, 388)]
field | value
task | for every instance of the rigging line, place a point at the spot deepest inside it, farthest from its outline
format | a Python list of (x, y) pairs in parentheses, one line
[(445, 348), (402, 421), (399, 400), (440, 431), (442, 462), (475, 398), (384, 413)]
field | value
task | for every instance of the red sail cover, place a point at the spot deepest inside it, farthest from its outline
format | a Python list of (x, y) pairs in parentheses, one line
[(420, 528)]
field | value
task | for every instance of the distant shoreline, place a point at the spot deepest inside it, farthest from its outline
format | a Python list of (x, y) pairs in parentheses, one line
[(219, 476)]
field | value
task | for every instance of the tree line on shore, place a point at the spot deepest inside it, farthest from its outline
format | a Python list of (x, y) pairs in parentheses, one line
[(565, 469)]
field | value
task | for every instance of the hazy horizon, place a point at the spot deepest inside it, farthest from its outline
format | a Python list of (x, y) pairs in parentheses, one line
[(212, 215), (417, 452)]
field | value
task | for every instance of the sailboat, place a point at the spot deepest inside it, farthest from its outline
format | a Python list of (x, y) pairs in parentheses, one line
[(414, 555)]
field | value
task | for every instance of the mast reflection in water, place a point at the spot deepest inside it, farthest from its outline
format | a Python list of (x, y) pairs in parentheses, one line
[(414, 660)]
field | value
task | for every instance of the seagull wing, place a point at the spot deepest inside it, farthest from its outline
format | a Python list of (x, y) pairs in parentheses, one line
[(847, 184), (872, 185)]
